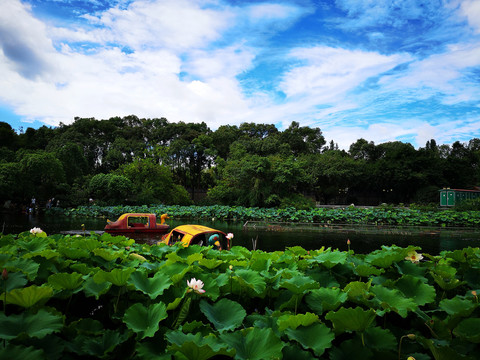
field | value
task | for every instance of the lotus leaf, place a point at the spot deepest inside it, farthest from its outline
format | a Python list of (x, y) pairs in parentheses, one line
[(358, 291), (117, 276), (251, 280), (448, 283), (88, 244), (351, 319), (254, 344), (380, 339), (107, 254), (175, 270), (35, 244), (224, 314), (299, 284), (15, 280), (469, 330), (29, 296), (416, 289), (317, 337), (386, 256), (21, 352), (144, 320), (64, 281), (457, 306), (352, 349), (72, 253), (47, 254), (392, 299), (27, 266), (92, 288), (325, 299), (193, 258), (196, 346), (294, 321), (101, 345), (294, 352), (153, 287), (34, 325), (153, 350), (330, 258), (209, 263), (365, 270)]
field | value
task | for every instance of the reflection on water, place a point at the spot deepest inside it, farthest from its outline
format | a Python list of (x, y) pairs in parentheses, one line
[(363, 239)]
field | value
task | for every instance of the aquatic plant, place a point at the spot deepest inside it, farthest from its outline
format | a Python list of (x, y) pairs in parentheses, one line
[(109, 297)]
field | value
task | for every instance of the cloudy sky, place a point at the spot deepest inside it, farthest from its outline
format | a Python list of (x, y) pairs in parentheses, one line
[(382, 70)]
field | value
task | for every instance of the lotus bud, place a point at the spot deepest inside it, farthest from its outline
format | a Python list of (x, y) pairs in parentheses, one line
[(348, 242), (410, 358), (4, 274), (412, 336), (231, 267)]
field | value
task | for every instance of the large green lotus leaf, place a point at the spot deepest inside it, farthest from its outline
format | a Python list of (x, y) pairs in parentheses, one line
[(416, 289), (194, 257), (34, 325), (152, 350), (47, 254), (325, 299), (294, 352), (211, 287), (469, 329), (365, 270), (324, 278), (175, 270), (87, 244), (254, 344), (447, 283), (92, 288), (29, 296), (144, 320), (392, 299), (210, 263), (83, 268), (460, 255), (15, 280), (64, 281), (358, 291), (34, 244), (72, 253), (52, 345), (224, 314), (251, 280), (299, 284), (353, 349), (117, 276), (154, 286), (441, 350), (380, 339), (87, 326), (27, 266), (294, 321), (317, 337), (386, 257), (409, 268), (107, 254), (330, 258), (21, 352), (457, 307), (351, 319), (196, 346), (100, 346)]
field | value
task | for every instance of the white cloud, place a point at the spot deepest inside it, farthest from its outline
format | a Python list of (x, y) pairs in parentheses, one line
[(471, 9), (330, 73)]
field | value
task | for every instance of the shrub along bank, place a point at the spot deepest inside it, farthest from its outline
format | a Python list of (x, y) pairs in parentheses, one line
[(107, 297), (348, 215)]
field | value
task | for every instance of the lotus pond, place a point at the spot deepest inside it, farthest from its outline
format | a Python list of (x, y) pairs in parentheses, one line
[(72, 297)]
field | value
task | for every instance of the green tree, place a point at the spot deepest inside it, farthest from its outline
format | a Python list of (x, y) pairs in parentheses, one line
[(110, 188)]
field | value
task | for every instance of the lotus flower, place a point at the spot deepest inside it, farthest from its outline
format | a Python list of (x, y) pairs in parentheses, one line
[(229, 236), (35, 231), (195, 285), (414, 257)]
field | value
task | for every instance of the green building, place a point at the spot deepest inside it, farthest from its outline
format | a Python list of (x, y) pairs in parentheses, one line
[(450, 197)]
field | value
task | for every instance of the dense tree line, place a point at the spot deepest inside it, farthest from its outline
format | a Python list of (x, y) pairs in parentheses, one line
[(146, 161)]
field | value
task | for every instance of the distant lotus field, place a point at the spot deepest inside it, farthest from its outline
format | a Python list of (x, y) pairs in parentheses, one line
[(347, 215), (107, 297)]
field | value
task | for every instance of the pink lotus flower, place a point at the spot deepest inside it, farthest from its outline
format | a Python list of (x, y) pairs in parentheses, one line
[(195, 285), (229, 236)]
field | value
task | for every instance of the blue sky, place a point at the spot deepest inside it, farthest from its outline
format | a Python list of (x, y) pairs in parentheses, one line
[(382, 70)]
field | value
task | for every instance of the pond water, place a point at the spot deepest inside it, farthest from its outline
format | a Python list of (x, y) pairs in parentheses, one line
[(272, 237)]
